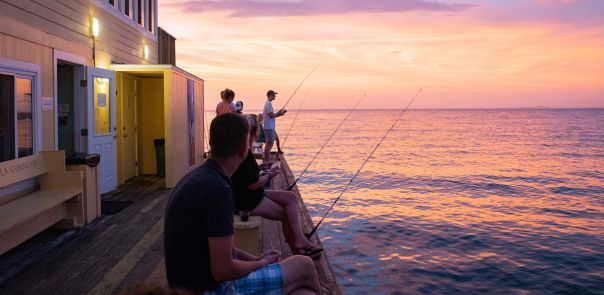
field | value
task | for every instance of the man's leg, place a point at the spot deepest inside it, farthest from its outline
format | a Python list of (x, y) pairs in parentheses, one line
[(278, 143), (267, 151), (269, 136), (299, 276), (289, 211)]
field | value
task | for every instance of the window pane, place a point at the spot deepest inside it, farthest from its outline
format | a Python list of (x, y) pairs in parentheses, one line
[(101, 106), (7, 118), (112, 2), (141, 12), (127, 7), (150, 15), (25, 118)]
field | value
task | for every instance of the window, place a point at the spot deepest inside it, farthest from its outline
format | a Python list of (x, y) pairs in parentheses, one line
[(141, 12), (25, 118), (7, 118), (16, 116), (102, 106), (150, 16), (127, 8)]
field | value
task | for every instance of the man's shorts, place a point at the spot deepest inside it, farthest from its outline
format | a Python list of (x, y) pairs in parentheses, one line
[(265, 280), (269, 135)]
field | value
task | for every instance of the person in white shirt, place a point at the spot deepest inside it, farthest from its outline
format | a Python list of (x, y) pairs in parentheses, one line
[(268, 116)]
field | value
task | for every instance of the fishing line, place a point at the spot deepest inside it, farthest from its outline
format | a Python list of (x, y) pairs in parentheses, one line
[(296, 117), (325, 144), (312, 232), (300, 85)]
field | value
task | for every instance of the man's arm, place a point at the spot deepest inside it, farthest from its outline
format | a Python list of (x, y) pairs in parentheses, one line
[(242, 255), (277, 114), (224, 267)]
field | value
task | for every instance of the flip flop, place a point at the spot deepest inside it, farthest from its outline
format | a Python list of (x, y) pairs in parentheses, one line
[(313, 252)]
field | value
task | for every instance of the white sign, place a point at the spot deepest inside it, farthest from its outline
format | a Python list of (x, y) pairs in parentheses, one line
[(101, 100), (47, 103)]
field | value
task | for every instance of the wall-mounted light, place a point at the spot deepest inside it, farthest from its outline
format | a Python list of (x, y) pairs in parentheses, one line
[(95, 27), (146, 51)]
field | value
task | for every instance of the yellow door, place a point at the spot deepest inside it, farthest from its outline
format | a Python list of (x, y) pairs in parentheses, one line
[(129, 134)]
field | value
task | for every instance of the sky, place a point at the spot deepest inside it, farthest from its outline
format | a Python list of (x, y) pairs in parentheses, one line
[(462, 53)]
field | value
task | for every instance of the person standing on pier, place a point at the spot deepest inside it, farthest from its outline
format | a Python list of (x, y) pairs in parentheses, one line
[(198, 229), (226, 105), (269, 116)]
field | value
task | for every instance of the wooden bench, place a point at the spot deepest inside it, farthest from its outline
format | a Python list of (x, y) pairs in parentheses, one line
[(57, 198)]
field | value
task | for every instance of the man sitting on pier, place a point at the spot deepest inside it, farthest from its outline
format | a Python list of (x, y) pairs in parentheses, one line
[(198, 232)]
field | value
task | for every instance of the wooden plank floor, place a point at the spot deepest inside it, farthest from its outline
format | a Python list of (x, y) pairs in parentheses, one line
[(119, 251)]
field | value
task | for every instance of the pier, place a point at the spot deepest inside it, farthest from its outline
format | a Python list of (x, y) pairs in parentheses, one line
[(125, 249)]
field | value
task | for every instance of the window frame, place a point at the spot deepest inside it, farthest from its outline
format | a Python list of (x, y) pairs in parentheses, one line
[(19, 69), (118, 11)]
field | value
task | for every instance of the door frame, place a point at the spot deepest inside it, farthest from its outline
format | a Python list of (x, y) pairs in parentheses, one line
[(121, 76), (76, 61)]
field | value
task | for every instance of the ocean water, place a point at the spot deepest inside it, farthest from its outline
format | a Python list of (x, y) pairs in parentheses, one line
[(457, 201)]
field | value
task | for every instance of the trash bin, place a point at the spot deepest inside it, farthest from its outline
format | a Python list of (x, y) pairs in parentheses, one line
[(160, 156), (88, 165)]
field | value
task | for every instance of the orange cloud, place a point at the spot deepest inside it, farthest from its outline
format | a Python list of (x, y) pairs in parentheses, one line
[(458, 60)]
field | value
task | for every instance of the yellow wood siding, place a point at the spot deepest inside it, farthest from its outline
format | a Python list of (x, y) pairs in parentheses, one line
[(65, 25), (177, 140), (22, 50)]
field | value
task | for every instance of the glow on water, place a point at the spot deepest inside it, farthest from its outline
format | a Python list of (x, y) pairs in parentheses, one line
[(458, 201)]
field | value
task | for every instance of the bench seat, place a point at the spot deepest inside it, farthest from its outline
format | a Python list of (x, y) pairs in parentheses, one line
[(25, 208), (57, 201)]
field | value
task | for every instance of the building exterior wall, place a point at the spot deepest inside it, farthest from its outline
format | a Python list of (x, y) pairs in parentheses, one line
[(177, 139), (26, 51), (66, 25), (31, 31)]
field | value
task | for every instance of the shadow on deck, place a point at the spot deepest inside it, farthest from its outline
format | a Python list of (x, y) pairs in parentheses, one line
[(119, 251)]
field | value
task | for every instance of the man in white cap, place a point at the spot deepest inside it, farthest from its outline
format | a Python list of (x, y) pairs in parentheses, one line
[(268, 116)]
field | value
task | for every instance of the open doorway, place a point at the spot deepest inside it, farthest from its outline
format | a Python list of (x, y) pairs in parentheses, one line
[(71, 102), (127, 133)]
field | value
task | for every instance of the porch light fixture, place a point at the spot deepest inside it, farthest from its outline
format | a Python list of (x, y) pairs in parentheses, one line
[(95, 27), (145, 51)]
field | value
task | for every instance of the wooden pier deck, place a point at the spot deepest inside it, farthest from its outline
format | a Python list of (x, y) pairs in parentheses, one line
[(122, 250)]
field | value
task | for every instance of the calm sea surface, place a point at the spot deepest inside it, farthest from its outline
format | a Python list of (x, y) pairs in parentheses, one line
[(457, 201)]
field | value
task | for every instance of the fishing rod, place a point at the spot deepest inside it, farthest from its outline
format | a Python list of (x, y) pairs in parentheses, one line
[(312, 232), (325, 144), (300, 85), (294, 122)]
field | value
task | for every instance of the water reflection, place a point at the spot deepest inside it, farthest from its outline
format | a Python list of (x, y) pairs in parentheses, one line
[(463, 201)]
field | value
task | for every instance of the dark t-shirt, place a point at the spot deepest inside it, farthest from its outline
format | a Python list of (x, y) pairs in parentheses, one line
[(200, 206), (246, 174)]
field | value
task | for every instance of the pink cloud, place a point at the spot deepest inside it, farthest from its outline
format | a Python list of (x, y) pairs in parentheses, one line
[(250, 8)]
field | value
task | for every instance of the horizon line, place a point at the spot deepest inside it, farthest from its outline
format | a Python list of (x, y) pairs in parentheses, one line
[(544, 108)]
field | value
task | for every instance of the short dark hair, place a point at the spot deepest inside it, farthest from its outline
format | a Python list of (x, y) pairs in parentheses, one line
[(228, 133), (228, 94)]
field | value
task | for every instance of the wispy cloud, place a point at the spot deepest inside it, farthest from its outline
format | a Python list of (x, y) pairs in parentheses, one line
[(255, 8)]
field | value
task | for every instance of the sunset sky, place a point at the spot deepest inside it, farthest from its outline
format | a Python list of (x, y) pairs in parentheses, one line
[(463, 53)]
